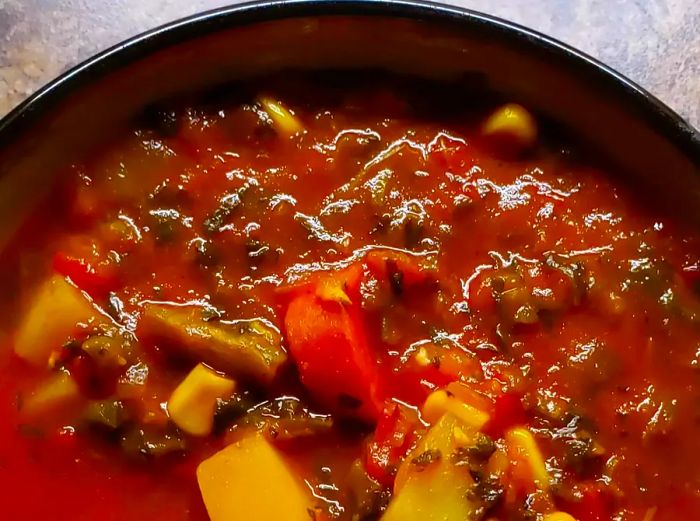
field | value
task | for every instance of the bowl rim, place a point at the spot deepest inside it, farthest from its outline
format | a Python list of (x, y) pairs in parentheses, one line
[(652, 111)]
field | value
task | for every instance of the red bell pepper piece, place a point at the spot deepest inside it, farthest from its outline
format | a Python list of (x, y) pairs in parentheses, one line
[(328, 342), (96, 281), (393, 438), (508, 411)]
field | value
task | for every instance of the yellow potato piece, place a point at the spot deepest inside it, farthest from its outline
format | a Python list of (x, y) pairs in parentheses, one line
[(52, 319), (192, 404), (54, 396), (429, 486), (248, 481)]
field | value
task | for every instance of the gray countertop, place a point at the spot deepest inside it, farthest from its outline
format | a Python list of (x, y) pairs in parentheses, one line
[(654, 42)]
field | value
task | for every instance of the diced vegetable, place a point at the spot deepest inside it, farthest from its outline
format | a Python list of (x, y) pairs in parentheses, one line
[(56, 395), (284, 122), (97, 281), (52, 319), (444, 401), (95, 381), (149, 442), (559, 516), (368, 497), (508, 412), (106, 351), (430, 486), (285, 419), (592, 505), (510, 129), (193, 402), (250, 349), (106, 413), (250, 480), (396, 432), (329, 346), (524, 452), (400, 269), (228, 204)]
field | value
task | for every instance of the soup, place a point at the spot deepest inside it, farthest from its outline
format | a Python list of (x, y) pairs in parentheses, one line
[(348, 297)]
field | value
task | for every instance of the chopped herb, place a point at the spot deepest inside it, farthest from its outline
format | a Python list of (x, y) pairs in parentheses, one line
[(575, 271), (396, 281), (487, 495), (227, 205), (204, 252), (165, 223), (426, 458)]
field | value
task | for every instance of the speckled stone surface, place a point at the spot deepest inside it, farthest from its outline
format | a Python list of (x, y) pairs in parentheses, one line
[(654, 42)]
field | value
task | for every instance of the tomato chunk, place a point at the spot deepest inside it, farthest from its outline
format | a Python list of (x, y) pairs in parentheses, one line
[(327, 340)]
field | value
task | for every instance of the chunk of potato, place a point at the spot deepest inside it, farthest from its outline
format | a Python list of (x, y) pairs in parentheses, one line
[(53, 317), (429, 485), (193, 403), (250, 480), (54, 396), (250, 349)]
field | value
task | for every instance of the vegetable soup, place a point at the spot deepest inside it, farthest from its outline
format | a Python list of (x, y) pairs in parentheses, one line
[(348, 297)]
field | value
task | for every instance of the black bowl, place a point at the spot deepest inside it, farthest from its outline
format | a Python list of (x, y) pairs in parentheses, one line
[(656, 148)]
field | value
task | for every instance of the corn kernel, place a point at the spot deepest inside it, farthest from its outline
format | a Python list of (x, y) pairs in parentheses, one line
[(559, 516), (512, 126), (283, 120), (191, 406), (422, 357), (522, 445)]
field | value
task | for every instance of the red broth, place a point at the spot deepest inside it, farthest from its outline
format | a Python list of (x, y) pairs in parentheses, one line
[(393, 248)]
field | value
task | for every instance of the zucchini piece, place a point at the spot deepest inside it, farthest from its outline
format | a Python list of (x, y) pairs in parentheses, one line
[(248, 349)]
